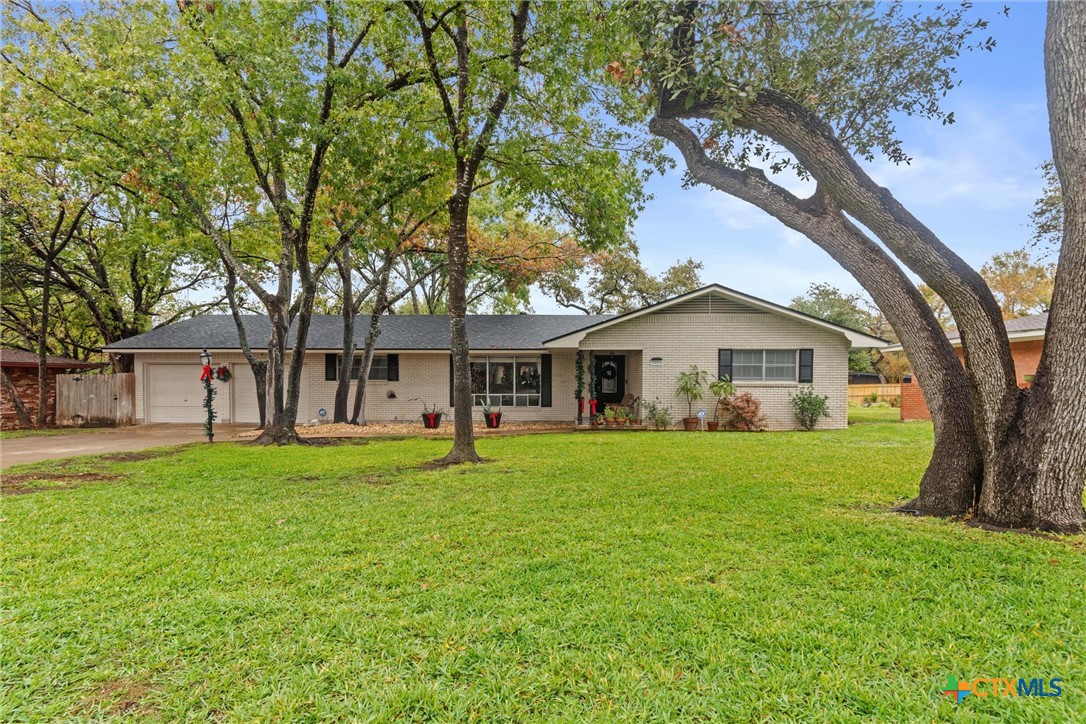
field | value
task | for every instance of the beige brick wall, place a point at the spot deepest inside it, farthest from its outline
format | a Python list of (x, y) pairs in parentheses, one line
[(685, 339), (424, 377)]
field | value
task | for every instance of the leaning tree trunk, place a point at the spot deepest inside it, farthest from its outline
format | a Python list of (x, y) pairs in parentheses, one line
[(43, 338), (346, 360), (463, 449), (951, 482), (21, 413), (1048, 445), (380, 303), (258, 367)]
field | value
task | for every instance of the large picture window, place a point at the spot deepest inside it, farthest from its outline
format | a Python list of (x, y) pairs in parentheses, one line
[(506, 381), (768, 365)]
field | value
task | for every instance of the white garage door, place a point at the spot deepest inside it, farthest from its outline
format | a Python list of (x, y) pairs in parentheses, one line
[(174, 393), (244, 384)]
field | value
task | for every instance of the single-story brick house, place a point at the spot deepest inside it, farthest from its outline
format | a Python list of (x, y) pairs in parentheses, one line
[(21, 368), (525, 363), (1026, 336)]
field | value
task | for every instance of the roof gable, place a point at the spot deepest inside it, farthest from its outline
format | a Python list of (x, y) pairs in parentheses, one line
[(717, 299)]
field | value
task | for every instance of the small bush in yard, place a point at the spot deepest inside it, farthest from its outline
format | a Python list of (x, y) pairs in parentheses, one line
[(659, 414), (809, 407), (742, 412)]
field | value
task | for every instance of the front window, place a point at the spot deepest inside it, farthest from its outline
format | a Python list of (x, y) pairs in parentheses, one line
[(769, 365), (378, 367), (505, 381)]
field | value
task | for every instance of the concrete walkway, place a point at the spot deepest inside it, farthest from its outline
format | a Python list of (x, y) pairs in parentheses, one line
[(32, 448)]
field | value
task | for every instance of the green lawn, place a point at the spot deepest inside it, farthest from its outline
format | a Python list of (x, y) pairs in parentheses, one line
[(575, 577), (45, 432), (874, 414)]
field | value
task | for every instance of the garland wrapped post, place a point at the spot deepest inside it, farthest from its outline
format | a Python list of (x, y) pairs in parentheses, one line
[(580, 387), (592, 382), (209, 397)]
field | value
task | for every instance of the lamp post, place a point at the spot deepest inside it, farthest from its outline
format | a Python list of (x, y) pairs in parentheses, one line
[(209, 395)]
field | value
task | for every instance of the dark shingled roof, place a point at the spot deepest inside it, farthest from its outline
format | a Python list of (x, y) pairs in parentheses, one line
[(398, 332)]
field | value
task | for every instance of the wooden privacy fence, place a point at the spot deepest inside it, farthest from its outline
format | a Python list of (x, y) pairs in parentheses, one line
[(857, 393), (96, 399)]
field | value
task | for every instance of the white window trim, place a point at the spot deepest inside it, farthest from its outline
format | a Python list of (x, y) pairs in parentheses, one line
[(358, 360), (477, 397), (754, 380)]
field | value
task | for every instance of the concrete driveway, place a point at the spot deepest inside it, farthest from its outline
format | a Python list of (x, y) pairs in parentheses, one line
[(31, 449)]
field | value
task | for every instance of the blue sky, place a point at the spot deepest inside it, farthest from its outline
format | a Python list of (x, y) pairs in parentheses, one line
[(973, 183)]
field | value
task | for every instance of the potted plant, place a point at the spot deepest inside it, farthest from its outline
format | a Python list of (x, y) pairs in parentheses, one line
[(431, 417), (690, 385), (621, 416), (609, 416), (492, 419), (719, 388)]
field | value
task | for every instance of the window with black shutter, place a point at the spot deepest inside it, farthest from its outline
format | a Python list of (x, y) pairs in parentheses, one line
[(806, 365), (724, 364)]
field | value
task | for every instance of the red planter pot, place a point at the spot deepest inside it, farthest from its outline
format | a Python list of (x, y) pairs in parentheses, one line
[(713, 425), (690, 424), (431, 420)]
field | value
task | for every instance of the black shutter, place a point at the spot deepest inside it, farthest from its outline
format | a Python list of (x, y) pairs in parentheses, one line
[(452, 384), (724, 363), (806, 365), (393, 367), (545, 380), (331, 367)]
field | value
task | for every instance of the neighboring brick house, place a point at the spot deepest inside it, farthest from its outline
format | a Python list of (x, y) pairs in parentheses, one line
[(21, 368), (1026, 336), (524, 363)]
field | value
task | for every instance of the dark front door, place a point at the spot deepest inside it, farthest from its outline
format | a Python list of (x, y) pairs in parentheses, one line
[(610, 379)]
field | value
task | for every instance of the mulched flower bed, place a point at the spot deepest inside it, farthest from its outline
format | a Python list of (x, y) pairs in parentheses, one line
[(414, 427)]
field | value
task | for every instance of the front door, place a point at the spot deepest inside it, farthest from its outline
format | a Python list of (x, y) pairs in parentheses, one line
[(610, 379)]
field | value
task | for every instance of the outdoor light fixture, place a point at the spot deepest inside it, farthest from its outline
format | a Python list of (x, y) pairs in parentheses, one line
[(205, 358)]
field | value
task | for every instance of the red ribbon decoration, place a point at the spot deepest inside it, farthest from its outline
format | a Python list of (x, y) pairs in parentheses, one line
[(206, 374), (592, 404)]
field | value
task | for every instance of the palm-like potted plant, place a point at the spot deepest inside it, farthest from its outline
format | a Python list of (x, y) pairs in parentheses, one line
[(719, 388), (690, 385)]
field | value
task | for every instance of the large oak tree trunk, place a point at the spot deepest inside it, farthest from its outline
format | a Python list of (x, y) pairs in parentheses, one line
[(463, 449), (277, 430), (1047, 450), (951, 482), (1032, 444)]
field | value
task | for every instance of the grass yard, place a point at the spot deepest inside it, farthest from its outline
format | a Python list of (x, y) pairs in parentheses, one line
[(574, 577), (45, 432)]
